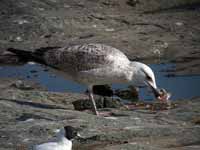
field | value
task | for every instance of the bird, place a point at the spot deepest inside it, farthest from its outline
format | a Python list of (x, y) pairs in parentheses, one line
[(93, 64), (63, 141)]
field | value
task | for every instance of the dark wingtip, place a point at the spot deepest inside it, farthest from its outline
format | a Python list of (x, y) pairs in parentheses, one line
[(10, 49), (14, 50)]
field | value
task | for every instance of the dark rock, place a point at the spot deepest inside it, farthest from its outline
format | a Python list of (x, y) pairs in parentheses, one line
[(101, 102), (87, 104), (103, 90), (48, 36), (196, 120), (33, 71), (130, 94), (86, 36), (112, 103), (132, 2)]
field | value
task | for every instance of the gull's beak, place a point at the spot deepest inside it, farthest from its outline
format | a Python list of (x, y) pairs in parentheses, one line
[(154, 89), (79, 136)]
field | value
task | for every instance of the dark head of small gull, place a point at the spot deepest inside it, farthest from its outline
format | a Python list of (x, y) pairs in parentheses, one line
[(63, 141), (68, 132)]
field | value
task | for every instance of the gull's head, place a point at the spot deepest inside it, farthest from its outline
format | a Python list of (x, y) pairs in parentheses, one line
[(143, 75), (68, 132)]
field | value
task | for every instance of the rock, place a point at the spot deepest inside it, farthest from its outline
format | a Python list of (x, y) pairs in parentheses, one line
[(87, 104), (109, 29), (103, 90), (137, 27), (31, 117), (130, 94), (196, 120), (33, 71), (112, 103), (179, 23), (22, 85), (18, 39), (101, 102), (132, 2)]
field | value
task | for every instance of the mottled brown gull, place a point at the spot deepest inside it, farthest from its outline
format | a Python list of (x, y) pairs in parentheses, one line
[(93, 64)]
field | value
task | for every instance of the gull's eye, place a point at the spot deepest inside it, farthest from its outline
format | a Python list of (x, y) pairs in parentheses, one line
[(148, 78)]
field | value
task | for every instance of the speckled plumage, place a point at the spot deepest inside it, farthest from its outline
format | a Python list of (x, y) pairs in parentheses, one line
[(90, 63)]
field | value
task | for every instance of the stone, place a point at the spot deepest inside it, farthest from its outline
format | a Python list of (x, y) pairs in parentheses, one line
[(131, 93), (32, 117), (101, 102)]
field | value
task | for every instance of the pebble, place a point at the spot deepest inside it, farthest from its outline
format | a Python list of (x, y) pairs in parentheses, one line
[(110, 29), (18, 39), (20, 22), (179, 23), (29, 120), (94, 26), (112, 118), (21, 85)]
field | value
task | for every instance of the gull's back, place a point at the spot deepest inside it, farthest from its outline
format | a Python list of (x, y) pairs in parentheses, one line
[(89, 63), (83, 57)]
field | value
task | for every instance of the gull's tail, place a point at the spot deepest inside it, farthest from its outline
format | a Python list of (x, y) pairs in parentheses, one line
[(35, 56)]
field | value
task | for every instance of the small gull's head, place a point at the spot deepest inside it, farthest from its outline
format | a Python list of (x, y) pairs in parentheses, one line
[(68, 132), (143, 75)]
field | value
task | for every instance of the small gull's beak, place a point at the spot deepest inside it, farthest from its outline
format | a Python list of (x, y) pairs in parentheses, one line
[(79, 136)]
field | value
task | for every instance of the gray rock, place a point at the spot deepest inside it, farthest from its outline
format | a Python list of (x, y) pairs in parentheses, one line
[(147, 30), (101, 102), (31, 117), (141, 31)]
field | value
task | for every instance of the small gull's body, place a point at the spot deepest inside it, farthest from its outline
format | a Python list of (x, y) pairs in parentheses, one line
[(93, 64)]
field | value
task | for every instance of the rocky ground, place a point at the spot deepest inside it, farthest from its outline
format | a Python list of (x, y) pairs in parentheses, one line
[(29, 117), (157, 30), (140, 28)]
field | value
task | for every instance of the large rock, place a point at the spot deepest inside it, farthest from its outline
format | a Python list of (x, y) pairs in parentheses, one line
[(141, 28), (31, 117), (101, 102)]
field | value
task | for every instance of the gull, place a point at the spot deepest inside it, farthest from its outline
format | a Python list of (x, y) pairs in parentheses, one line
[(93, 64), (63, 142)]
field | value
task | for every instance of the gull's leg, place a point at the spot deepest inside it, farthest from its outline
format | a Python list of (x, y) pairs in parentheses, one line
[(93, 101)]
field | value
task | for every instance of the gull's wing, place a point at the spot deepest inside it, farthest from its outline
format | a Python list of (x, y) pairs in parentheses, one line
[(83, 57)]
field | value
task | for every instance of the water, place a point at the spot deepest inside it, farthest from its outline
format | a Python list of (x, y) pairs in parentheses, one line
[(181, 87)]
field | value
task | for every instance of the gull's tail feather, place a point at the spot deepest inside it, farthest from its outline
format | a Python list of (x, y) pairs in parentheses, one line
[(35, 56), (24, 56)]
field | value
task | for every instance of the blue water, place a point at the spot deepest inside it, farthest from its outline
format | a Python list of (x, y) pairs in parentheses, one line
[(181, 87)]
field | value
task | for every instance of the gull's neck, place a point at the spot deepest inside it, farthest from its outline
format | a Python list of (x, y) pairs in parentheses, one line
[(134, 71), (65, 142), (63, 139), (131, 70)]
